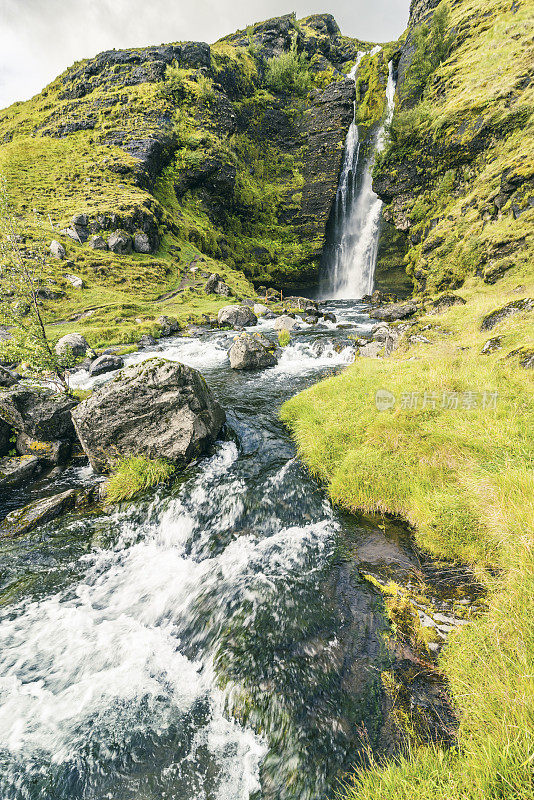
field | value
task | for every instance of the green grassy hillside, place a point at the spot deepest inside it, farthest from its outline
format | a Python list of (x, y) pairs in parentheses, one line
[(454, 455)]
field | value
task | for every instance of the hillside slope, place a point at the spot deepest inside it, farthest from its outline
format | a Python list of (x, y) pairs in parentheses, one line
[(452, 454), (223, 157)]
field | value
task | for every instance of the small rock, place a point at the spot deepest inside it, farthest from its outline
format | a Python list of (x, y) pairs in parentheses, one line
[(105, 363), (252, 352), (447, 301), (81, 220), (98, 243), (8, 377), (260, 310), (75, 280), (328, 317), (141, 243), (237, 317), (55, 452), (120, 242), (146, 341), (26, 519), (491, 345), (74, 342), (57, 250)]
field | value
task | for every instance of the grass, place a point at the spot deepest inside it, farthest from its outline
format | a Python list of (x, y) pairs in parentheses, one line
[(464, 480), (284, 337), (135, 474)]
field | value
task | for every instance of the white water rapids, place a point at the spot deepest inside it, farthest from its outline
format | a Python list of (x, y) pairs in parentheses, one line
[(350, 273)]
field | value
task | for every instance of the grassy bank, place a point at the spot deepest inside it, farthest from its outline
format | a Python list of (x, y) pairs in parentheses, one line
[(463, 478)]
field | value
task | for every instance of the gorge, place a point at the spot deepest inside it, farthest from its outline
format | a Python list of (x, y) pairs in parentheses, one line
[(328, 591)]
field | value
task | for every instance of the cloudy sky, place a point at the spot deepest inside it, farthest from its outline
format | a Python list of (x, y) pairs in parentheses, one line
[(40, 38)]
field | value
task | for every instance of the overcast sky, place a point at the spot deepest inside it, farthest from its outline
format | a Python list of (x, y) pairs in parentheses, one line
[(41, 38)]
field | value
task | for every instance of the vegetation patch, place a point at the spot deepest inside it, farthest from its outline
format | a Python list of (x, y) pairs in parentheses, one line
[(135, 474)]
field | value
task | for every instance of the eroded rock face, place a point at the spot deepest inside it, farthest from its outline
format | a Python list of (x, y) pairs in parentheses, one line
[(39, 413), (237, 316), (493, 319), (252, 352), (155, 409)]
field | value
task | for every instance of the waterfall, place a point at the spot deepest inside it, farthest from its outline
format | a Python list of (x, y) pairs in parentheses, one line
[(351, 259)]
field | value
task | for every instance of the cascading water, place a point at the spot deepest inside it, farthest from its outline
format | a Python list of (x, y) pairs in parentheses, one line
[(351, 256)]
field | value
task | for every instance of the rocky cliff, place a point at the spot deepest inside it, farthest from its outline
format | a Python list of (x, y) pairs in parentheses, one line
[(230, 152), (458, 178)]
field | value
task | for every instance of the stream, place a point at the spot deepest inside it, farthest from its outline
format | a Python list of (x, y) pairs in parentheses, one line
[(214, 640)]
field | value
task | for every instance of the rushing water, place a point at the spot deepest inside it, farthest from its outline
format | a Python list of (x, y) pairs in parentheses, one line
[(212, 642), (351, 252)]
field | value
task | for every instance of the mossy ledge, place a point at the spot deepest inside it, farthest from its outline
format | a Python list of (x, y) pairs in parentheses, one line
[(457, 181)]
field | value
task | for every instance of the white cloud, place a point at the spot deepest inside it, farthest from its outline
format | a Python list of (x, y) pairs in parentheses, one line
[(39, 39)]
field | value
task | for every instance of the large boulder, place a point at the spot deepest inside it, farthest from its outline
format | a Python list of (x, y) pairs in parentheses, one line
[(252, 352), (105, 363), (394, 311), (237, 316), (215, 285), (98, 243), (285, 323), (120, 242), (18, 470), (260, 309), (73, 342), (155, 409), (40, 413), (55, 452)]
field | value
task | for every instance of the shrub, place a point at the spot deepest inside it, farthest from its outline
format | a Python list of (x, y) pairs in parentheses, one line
[(283, 338), (288, 72), (135, 474)]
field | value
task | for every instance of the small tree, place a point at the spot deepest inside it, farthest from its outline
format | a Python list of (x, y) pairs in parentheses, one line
[(21, 280)]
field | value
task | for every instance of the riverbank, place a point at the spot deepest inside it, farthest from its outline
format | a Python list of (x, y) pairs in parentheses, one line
[(462, 477)]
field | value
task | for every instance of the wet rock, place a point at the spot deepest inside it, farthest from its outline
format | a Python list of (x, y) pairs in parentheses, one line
[(329, 317), (5, 438), (8, 377), (309, 320), (98, 243), (14, 471), (57, 250), (26, 519), (155, 409), (445, 301), (120, 242), (75, 280), (252, 352), (74, 342), (237, 316), (394, 311), (493, 319), (141, 243), (55, 452), (285, 323), (491, 345), (40, 413), (105, 363), (146, 341)]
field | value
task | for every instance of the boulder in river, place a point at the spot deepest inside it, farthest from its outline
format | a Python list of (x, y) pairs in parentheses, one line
[(260, 309), (252, 352), (18, 470), (146, 341), (155, 409), (237, 316), (54, 452), (40, 413), (26, 519), (285, 323), (105, 363)]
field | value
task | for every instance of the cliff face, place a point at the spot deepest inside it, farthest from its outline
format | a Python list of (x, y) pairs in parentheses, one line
[(458, 178), (234, 149)]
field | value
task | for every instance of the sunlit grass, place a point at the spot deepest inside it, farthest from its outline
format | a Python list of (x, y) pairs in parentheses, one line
[(135, 474)]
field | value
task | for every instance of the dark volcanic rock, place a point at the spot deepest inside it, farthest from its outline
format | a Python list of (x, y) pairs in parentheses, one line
[(26, 519), (251, 352), (8, 377), (493, 319), (154, 409), (55, 452), (39, 413)]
